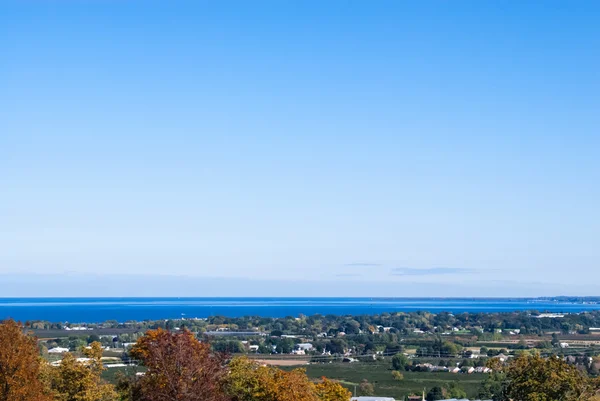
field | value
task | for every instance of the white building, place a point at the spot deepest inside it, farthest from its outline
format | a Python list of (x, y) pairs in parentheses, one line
[(58, 350)]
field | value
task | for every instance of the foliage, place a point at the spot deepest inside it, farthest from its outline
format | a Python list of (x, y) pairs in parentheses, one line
[(397, 375), (366, 388), (179, 367), (328, 390), (247, 381), (75, 380), (19, 365), (533, 378), (400, 362), (435, 393)]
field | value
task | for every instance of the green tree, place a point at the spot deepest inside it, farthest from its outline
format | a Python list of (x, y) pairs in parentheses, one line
[(435, 393), (400, 362)]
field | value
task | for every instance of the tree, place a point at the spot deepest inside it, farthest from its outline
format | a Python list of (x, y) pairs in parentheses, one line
[(533, 378), (247, 381), (435, 393), (400, 362), (366, 388), (179, 367), (454, 391), (73, 380), (328, 390), (397, 375), (19, 365)]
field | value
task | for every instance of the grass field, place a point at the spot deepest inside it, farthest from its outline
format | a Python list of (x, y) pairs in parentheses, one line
[(380, 375)]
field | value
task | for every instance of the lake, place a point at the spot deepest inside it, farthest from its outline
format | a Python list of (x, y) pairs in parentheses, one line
[(122, 309)]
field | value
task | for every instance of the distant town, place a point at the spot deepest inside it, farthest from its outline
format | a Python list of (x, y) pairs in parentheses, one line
[(452, 351)]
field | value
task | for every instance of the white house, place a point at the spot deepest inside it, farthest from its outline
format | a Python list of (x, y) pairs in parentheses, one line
[(564, 345), (58, 350), (304, 346)]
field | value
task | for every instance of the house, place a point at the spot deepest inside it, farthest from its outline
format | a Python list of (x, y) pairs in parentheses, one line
[(455, 370), (253, 348), (298, 352), (471, 370), (304, 346), (58, 350), (564, 345)]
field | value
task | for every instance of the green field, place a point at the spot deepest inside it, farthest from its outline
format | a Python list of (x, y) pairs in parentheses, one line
[(111, 374), (380, 375)]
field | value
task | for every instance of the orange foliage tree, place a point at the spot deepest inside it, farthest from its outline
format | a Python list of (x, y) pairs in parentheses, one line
[(180, 368), (19, 365), (328, 390), (75, 380), (248, 381)]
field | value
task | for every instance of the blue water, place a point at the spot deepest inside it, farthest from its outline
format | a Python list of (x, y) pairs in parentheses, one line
[(122, 309)]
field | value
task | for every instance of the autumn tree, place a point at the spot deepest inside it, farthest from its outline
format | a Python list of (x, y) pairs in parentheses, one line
[(248, 381), (180, 368), (19, 365), (328, 390), (397, 375), (80, 380), (366, 388), (534, 378)]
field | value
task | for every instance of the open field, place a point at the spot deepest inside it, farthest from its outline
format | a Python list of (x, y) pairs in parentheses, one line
[(380, 375)]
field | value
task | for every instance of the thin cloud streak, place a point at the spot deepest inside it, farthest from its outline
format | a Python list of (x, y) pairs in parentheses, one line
[(433, 271), (363, 264)]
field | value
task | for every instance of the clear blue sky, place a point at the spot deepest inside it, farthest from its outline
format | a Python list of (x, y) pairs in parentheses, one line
[(302, 147)]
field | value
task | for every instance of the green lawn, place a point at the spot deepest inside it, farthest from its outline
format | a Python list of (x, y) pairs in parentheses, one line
[(380, 375)]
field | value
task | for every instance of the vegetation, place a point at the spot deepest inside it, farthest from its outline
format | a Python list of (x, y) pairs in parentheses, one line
[(179, 364), (74, 380), (179, 367), (20, 365)]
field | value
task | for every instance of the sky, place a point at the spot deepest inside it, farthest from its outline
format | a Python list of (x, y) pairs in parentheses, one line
[(301, 148)]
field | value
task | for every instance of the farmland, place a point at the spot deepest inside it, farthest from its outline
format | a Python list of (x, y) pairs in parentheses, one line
[(380, 375)]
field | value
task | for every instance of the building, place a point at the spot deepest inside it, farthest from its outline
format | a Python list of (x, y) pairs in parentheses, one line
[(58, 350), (304, 346)]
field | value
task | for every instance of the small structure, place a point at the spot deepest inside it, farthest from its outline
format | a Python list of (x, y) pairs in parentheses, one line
[(58, 350)]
